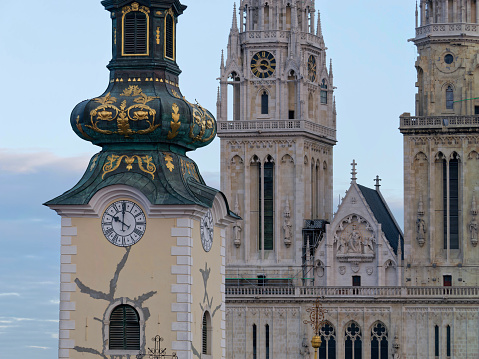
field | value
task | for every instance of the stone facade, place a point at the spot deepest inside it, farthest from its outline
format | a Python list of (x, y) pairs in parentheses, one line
[(386, 294), (283, 121)]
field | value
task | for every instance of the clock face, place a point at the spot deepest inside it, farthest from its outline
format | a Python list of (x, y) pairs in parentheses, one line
[(312, 68), (123, 223), (207, 228), (263, 64)]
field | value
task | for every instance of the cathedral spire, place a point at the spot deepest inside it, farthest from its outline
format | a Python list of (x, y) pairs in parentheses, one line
[(222, 60), (354, 172), (331, 70)]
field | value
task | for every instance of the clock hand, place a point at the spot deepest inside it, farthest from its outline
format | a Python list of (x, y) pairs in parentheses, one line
[(120, 221), (123, 209)]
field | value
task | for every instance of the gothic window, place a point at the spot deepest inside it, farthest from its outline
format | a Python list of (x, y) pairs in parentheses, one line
[(266, 195), (379, 341), (451, 188), (353, 343), (267, 340), (169, 37), (135, 33), (449, 98), (436, 341), (124, 331), (324, 92), (264, 103), (255, 337), (448, 341), (327, 350), (206, 334)]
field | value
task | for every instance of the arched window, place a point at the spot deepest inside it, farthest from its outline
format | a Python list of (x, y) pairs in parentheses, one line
[(206, 334), (255, 343), (264, 103), (379, 342), (124, 332), (448, 341), (436, 341), (135, 34), (327, 350), (449, 98), (353, 343), (170, 36)]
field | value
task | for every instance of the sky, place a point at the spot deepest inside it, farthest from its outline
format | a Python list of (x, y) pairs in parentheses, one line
[(54, 54)]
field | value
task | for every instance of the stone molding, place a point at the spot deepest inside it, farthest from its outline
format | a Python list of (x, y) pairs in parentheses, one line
[(66, 288)]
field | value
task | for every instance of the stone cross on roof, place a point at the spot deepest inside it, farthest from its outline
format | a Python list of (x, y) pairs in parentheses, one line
[(377, 185), (354, 172)]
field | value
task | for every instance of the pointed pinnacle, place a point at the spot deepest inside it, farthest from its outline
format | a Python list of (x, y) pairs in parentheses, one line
[(319, 30), (218, 96), (222, 59), (331, 68), (234, 25)]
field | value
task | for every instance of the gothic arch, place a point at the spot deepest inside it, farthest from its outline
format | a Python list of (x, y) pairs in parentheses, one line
[(287, 158), (420, 156), (325, 166), (473, 155), (438, 157), (255, 159), (446, 85), (269, 159), (379, 340), (306, 160), (455, 156), (237, 160)]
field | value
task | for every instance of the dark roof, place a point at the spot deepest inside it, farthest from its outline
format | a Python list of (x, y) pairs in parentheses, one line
[(382, 214)]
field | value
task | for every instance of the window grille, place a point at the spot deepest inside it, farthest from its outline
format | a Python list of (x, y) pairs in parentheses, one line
[(124, 328), (449, 98), (169, 37)]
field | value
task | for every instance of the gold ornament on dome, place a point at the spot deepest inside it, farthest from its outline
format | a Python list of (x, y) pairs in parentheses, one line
[(145, 164), (107, 111), (175, 124), (188, 167), (201, 118), (169, 161)]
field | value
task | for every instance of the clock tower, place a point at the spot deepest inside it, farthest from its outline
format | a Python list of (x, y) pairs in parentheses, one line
[(277, 124), (143, 237), (441, 160)]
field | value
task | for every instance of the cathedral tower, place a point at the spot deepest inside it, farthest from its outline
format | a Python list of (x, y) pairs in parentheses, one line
[(277, 124), (441, 160), (142, 235)]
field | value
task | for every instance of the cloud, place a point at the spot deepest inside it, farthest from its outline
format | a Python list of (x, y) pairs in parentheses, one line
[(16, 319), (9, 295), (26, 162), (54, 301), (37, 347)]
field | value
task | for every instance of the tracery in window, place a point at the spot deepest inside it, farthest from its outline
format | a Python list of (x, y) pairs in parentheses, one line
[(379, 341), (353, 342), (327, 350)]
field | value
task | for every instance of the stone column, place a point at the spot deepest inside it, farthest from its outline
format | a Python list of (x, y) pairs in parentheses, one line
[(270, 20), (446, 11), (224, 100), (247, 202), (423, 12), (313, 22), (477, 13), (261, 17), (262, 209), (448, 255)]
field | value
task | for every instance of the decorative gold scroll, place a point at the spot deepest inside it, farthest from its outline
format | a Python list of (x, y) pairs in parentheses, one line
[(201, 118), (145, 164), (81, 129), (107, 111)]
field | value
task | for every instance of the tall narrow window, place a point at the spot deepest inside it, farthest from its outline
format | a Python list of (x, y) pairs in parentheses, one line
[(135, 33), (206, 334), (169, 37), (436, 341), (267, 341), (449, 98), (327, 350), (264, 103), (448, 341), (379, 342), (267, 193), (324, 92), (453, 210), (124, 328), (353, 344), (255, 338)]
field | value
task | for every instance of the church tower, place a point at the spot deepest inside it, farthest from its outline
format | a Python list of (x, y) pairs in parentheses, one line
[(277, 124), (143, 239), (441, 160)]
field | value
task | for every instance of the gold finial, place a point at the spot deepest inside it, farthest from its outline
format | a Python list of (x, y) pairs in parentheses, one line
[(316, 318)]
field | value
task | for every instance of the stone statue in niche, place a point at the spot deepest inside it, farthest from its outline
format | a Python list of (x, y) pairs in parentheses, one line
[(237, 229), (287, 226), (473, 226), (421, 231), (304, 351)]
